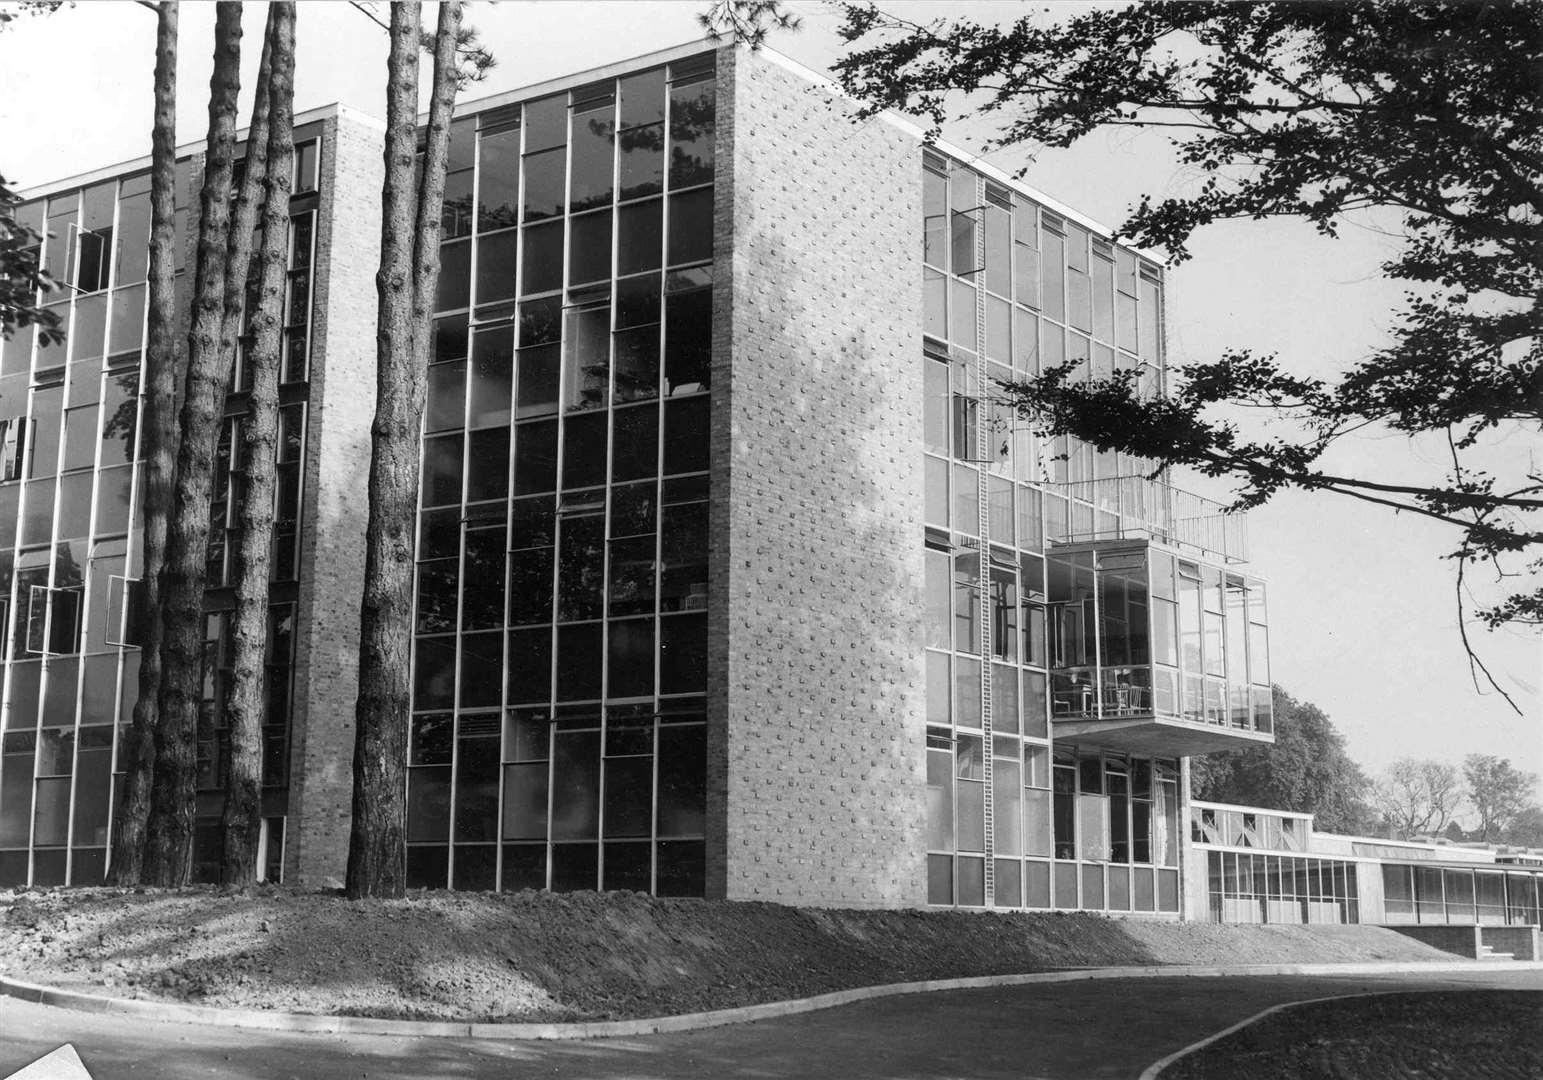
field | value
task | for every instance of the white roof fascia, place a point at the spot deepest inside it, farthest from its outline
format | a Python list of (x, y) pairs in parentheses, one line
[(108, 172), (985, 168)]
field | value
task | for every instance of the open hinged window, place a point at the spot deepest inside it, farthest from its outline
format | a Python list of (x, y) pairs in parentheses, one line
[(53, 620), (123, 622), (13, 447)]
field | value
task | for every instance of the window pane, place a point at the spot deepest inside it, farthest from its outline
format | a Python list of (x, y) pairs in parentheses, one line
[(546, 122), (446, 403), (498, 180), (589, 249), (487, 464), (688, 341), (635, 453), (544, 184), (540, 371), (691, 227), (543, 267), (642, 161), (639, 236), (592, 141), (682, 780), (535, 457), (495, 266), (630, 657), (576, 798), (489, 391), (454, 289), (691, 134)]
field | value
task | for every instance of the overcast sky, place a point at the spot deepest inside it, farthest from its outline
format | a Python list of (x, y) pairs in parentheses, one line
[(1363, 621)]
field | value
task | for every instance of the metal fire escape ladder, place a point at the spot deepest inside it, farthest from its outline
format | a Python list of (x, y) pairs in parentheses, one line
[(983, 453)]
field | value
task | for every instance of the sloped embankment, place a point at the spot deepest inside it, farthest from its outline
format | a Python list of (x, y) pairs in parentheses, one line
[(543, 956)]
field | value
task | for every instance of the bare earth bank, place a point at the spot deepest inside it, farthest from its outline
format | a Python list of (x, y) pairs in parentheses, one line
[(578, 956)]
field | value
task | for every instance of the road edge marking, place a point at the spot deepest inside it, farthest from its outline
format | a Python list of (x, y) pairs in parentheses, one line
[(1154, 1070), (317, 1023)]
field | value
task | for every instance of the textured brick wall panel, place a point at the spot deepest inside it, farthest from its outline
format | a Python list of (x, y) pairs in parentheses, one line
[(332, 533), (816, 760)]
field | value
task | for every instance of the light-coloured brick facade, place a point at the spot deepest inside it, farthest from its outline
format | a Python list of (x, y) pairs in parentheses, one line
[(342, 402), (816, 785)]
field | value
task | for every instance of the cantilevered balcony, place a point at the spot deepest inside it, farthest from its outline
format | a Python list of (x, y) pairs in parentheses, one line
[(1154, 650)]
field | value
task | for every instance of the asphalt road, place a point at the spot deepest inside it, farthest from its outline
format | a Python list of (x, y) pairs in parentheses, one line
[(1075, 1031)]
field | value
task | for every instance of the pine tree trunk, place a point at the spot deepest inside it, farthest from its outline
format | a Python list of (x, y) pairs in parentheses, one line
[(409, 267), (242, 818), (158, 440), (169, 843)]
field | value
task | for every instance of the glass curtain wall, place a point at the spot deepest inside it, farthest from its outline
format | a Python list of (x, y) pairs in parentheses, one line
[(1247, 887), (558, 732), (1140, 631), (70, 545), (1007, 291), (1491, 895)]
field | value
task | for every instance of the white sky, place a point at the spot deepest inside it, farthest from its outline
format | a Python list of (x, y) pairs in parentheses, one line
[(1361, 604)]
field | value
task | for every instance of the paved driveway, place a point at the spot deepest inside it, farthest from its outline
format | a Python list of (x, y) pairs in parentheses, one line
[(1075, 1031)]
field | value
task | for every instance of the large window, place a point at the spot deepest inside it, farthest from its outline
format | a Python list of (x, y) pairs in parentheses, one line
[(70, 543), (560, 661)]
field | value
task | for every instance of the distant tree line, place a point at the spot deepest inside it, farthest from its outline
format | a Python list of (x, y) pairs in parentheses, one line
[(1308, 770)]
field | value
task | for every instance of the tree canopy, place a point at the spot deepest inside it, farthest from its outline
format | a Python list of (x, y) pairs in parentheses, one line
[(1307, 770), (1417, 797), (1499, 793), (1427, 113), (21, 278)]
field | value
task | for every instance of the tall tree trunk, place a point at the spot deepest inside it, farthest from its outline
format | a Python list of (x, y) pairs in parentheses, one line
[(249, 204), (169, 847), (242, 818), (158, 435), (409, 268)]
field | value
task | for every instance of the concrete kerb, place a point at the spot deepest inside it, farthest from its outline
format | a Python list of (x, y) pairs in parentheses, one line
[(259, 1019), (1154, 1070)]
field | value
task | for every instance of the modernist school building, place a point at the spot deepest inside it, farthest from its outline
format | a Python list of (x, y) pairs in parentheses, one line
[(734, 577)]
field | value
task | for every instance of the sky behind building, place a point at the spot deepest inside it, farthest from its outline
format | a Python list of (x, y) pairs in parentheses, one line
[(1362, 604)]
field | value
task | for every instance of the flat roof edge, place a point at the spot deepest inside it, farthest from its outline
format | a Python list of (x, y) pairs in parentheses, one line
[(670, 53), (107, 172), (974, 161)]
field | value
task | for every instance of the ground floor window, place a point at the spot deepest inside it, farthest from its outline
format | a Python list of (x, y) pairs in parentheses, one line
[(1434, 894), (580, 797), (1067, 829), (1245, 887)]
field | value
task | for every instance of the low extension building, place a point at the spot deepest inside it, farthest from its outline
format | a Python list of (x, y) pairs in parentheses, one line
[(735, 577)]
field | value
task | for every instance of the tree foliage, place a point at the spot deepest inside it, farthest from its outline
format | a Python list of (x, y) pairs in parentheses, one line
[(1307, 771), (1417, 797), (1526, 830), (1499, 793), (21, 276), (1427, 112), (746, 21)]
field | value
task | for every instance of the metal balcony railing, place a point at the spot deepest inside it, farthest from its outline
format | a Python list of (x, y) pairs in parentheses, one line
[(1155, 510)]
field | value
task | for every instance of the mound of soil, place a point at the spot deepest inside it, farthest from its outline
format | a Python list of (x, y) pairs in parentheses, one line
[(572, 956)]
